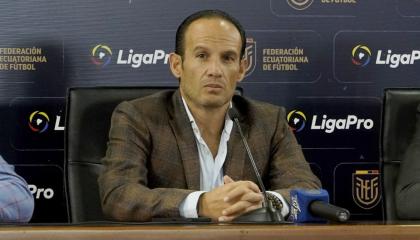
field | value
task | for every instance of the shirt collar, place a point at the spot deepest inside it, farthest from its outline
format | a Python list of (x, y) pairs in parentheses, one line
[(191, 117)]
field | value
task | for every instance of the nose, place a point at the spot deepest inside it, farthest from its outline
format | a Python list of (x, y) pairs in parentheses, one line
[(214, 69)]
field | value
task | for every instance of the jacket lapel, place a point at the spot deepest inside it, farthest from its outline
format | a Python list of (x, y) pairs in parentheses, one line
[(186, 141)]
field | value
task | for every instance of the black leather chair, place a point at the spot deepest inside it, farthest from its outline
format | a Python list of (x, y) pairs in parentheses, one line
[(87, 125), (398, 125)]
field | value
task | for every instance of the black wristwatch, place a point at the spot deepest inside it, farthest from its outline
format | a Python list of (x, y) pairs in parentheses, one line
[(275, 201)]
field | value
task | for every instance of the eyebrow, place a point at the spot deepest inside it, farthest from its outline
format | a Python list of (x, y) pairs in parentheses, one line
[(199, 48), (228, 52), (231, 52)]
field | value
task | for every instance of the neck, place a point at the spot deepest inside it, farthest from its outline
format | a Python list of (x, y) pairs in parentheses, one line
[(209, 120)]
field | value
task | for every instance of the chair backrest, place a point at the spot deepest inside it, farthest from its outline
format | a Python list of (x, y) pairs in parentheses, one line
[(398, 125), (88, 118)]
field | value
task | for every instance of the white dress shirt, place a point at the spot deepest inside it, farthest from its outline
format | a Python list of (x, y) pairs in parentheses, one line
[(211, 169)]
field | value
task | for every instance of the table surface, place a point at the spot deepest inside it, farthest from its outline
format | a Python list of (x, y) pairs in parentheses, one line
[(216, 231)]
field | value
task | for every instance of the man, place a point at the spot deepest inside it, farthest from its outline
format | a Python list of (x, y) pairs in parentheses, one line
[(179, 154), (407, 189), (16, 201)]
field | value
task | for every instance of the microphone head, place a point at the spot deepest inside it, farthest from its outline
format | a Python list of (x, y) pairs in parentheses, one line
[(233, 113), (300, 201)]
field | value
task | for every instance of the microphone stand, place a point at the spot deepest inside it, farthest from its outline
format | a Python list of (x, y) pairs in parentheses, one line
[(267, 213)]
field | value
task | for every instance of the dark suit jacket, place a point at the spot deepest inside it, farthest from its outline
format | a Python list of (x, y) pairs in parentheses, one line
[(152, 163), (407, 191)]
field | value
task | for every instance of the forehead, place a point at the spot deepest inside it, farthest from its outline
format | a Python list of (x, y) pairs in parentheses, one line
[(212, 31)]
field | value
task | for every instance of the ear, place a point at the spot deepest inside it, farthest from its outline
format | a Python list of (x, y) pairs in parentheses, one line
[(242, 69), (175, 63)]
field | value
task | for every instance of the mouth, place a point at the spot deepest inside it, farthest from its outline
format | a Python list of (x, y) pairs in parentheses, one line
[(213, 85)]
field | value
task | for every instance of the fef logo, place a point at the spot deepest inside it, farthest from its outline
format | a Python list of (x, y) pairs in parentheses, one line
[(300, 4), (361, 55), (366, 188), (250, 55), (38, 121), (296, 120), (101, 55)]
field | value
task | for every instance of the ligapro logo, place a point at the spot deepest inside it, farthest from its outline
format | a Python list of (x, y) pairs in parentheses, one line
[(361, 55), (297, 121), (300, 4), (102, 55), (41, 193), (38, 121)]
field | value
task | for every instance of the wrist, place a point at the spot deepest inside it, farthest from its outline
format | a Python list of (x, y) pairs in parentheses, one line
[(201, 205)]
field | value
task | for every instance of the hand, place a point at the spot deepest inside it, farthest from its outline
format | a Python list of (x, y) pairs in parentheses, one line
[(231, 200), (241, 203)]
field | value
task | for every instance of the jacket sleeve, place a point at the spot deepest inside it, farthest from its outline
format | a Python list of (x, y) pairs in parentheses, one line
[(288, 168), (123, 185)]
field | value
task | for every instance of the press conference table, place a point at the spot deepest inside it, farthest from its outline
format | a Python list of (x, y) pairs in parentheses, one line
[(215, 231)]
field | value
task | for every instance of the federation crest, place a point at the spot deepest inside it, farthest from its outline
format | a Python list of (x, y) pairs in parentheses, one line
[(250, 55), (366, 193)]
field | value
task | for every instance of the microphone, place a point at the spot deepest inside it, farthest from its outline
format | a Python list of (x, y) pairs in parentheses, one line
[(313, 206), (267, 213)]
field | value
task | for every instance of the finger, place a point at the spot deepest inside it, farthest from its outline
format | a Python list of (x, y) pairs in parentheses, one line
[(234, 184), (237, 208), (249, 197), (254, 187), (239, 189), (229, 218), (235, 193), (253, 197), (227, 179)]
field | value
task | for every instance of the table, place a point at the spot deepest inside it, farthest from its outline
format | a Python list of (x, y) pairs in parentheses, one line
[(215, 231)]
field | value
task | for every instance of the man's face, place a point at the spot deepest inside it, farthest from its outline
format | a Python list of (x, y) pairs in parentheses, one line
[(212, 65)]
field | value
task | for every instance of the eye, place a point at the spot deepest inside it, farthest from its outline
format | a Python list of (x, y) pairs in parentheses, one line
[(201, 56), (228, 58)]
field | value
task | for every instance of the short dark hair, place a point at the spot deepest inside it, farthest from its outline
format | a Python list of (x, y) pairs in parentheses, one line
[(180, 32)]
